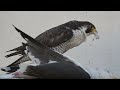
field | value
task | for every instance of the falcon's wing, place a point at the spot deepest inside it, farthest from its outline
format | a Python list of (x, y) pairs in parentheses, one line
[(55, 36)]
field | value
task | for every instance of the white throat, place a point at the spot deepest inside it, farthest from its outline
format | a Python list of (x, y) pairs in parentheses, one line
[(83, 29)]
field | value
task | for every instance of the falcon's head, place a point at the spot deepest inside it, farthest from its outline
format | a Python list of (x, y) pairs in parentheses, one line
[(87, 27), (90, 29)]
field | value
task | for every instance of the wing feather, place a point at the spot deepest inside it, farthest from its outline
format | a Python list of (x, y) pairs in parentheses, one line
[(55, 36)]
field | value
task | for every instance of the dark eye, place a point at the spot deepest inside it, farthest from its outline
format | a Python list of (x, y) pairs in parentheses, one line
[(92, 27)]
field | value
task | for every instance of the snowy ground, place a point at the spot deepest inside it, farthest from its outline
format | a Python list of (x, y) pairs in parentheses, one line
[(102, 53)]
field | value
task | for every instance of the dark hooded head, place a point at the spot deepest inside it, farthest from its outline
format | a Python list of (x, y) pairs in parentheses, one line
[(89, 28)]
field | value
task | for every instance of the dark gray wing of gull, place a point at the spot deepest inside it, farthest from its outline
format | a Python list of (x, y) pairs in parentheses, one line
[(59, 70)]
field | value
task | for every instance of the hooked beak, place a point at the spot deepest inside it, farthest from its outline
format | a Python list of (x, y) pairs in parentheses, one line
[(96, 34)]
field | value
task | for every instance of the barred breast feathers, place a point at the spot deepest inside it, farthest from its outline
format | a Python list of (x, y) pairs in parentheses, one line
[(79, 37)]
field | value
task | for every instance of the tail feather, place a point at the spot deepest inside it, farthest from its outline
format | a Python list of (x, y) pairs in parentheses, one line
[(22, 59), (17, 49), (15, 53)]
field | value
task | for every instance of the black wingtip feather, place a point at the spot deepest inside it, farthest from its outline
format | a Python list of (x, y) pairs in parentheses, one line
[(17, 29), (27, 37), (22, 33)]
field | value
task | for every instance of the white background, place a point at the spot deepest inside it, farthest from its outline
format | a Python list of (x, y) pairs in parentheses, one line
[(102, 53)]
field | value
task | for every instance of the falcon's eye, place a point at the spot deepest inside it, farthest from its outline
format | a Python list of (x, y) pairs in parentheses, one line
[(92, 27)]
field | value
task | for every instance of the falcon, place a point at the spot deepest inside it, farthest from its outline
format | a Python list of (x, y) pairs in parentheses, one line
[(59, 39)]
